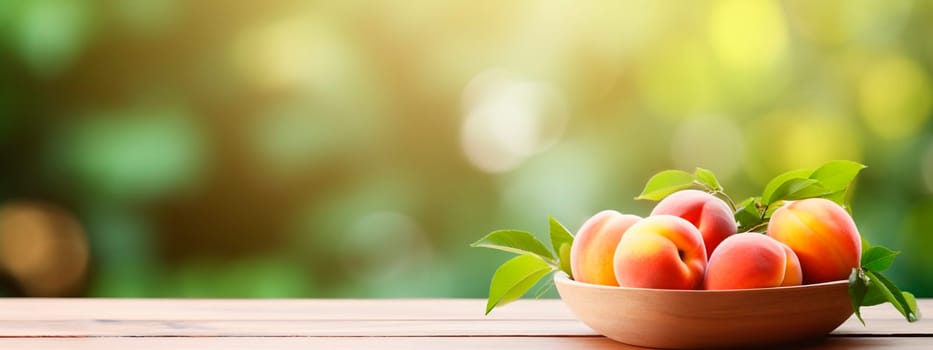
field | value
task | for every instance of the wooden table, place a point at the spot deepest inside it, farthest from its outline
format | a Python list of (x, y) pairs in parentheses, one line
[(409, 324)]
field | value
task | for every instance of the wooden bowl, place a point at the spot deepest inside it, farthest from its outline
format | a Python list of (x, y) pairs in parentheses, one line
[(690, 319)]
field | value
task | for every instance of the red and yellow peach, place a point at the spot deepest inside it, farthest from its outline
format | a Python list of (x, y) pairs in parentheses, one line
[(595, 244), (711, 215), (822, 234), (751, 260), (661, 251)]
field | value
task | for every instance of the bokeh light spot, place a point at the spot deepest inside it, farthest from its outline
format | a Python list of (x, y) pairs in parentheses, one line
[(133, 153), (509, 119), (294, 52), (43, 248), (51, 33), (748, 35), (895, 97)]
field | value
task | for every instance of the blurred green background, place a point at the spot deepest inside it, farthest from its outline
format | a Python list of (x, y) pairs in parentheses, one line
[(214, 148)]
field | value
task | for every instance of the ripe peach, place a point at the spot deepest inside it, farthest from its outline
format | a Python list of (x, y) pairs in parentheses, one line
[(661, 251), (822, 234), (709, 214), (793, 273), (751, 260), (595, 245)]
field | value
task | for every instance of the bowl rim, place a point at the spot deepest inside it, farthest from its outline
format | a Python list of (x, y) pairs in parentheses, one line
[(562, 277)]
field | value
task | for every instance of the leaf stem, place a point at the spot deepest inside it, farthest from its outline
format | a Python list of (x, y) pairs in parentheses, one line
[(764, 212), (722, 195), (760, 225)]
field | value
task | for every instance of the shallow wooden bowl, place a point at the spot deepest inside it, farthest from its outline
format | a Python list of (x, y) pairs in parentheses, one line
[(690, 319)]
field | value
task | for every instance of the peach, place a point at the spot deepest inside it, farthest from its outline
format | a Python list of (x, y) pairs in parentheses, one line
[(709, 214), (661, 251), (822, 234), (595, 245), (751, 260), (793, 273)]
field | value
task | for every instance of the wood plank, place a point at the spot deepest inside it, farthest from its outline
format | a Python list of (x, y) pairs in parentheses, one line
[(276, 309), (363, 328), (366, 328), (886, 326), (413, 343), (309, 309), (300, 328), (322, 318)]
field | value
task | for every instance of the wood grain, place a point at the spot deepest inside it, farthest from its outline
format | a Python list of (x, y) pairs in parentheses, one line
[(277, 309), (354, 324), (426, 343), (300, 328), (308, 309)]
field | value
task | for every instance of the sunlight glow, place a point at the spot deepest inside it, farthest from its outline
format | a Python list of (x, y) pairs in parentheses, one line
[(895, 97), (748, 35), (509, 119)]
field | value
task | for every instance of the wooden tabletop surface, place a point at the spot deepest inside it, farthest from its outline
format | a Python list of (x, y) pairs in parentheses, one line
[(409, 324)]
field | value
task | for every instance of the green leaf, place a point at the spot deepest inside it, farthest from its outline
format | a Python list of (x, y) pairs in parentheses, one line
[(912, 303), (893, 295), (561, 240), (666, 182), (830, 180), (779, 180), (876, 255), (878, 258), (858, 287), (810, 191), (747, 213), (789, 189), (873, 297), (836, 175), (564, 255), (514, 278), (839, 197), (708, 179), (515, 241)]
